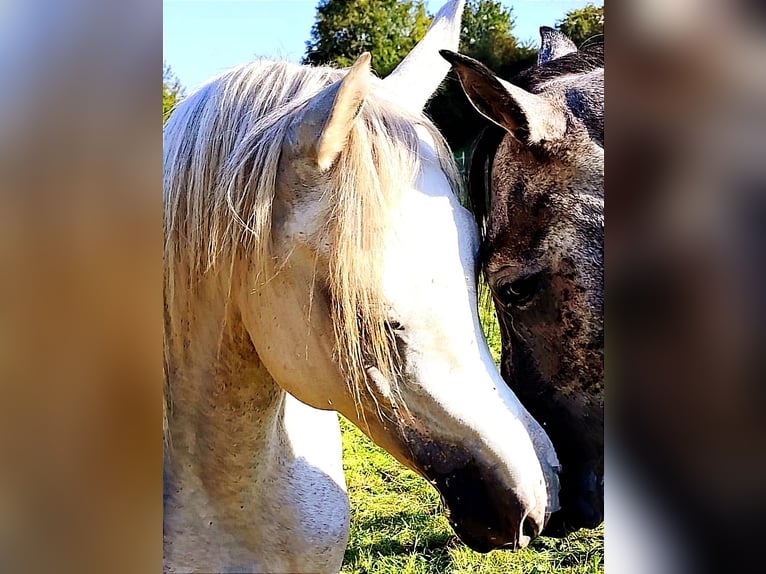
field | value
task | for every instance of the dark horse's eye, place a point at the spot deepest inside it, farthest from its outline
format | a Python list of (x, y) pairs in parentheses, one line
[(521, 291)]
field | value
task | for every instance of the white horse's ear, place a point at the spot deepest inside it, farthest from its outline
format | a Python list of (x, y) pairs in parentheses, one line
[(417, 77), (528, 117), (329, 116), (553, 44)]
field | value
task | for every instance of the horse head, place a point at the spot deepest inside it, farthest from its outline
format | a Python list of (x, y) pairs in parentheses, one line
[(315, 246), (542, 253), (375, 292)]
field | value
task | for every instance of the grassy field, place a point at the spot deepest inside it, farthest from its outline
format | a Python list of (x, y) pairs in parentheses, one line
[(398, 526)]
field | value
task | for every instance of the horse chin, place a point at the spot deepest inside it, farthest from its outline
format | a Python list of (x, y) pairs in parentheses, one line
[(476, 517), (572, 416), (483, 509)]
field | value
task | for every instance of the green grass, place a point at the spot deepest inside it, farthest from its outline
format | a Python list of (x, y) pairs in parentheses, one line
[(398, 524), (489, 321)]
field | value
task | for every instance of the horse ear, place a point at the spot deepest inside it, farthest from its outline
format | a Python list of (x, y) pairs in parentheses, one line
[(416, 78), (329, 116), (528, 117), (553, 44)]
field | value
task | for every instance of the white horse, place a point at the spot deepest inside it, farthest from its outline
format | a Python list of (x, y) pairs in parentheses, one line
[(317, 260)]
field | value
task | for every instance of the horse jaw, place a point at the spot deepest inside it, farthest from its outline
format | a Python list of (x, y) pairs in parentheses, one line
[(416, 78)]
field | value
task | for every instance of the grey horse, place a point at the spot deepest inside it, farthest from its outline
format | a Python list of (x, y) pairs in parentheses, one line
[(537, 190)]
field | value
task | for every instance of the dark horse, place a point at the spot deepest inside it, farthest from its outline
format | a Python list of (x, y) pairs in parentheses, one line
[(537, 189)]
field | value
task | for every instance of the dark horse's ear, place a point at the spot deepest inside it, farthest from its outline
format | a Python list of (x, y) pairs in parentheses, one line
[(553, 44), (528, 117)]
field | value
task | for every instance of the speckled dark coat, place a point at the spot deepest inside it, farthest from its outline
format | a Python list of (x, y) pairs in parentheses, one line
[(537, 189)]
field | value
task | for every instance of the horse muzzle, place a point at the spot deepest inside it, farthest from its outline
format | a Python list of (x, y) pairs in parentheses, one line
[(489, 504), (582, 504), (485, 514)]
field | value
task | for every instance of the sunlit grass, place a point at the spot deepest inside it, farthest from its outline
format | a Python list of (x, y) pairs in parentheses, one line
[(489, 320), (398, 526)]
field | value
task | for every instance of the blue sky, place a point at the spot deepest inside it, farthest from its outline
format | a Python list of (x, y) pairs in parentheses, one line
[(204, 37)]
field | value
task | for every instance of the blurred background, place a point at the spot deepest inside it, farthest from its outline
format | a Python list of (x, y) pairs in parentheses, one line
[(686, 276), (81, 303)]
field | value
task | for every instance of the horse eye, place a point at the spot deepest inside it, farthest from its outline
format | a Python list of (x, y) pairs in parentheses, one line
[(394, 325), (521, 291)]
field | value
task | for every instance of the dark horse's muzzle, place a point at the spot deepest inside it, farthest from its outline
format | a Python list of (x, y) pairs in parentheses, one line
[(582, 503)]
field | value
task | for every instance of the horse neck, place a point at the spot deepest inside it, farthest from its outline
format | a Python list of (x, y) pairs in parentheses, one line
[(223, 433), (253, 478)]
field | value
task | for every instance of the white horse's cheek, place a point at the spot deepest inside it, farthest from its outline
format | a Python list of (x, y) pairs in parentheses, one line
[(430, 283)]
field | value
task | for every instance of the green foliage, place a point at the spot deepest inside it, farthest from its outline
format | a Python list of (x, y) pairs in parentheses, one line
[(487, 36), (388, 29), (483, 19), (583, 23), (398, 526), (172, 91), (489, 320)]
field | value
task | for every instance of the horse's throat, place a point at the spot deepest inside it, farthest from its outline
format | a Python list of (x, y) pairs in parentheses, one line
[(224, 410), (253, 478)]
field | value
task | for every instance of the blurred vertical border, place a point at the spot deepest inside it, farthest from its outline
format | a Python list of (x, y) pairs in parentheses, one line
[(686, 285), (80, 286)]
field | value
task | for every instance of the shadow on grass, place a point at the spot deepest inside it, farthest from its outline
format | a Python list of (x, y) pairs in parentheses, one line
[(398, 539), (401, 521), (429, 544), (392, 547)]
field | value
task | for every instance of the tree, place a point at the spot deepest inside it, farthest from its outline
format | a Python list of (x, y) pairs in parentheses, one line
[(483, 19), (388, 29), (583, 23), (487, 36), (172, 91)]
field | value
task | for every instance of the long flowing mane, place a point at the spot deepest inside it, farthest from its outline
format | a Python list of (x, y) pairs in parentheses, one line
[(222, 148)]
